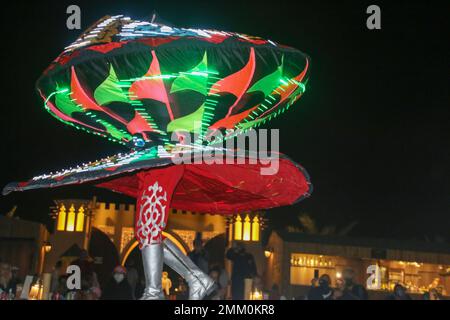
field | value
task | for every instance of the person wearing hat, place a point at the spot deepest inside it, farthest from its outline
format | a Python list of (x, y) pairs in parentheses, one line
[(118, 287)]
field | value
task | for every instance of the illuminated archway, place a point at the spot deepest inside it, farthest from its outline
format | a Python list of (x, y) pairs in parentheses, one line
[(165, 234)]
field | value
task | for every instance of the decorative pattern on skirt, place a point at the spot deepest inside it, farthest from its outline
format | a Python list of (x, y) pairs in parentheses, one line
[(152, 215)]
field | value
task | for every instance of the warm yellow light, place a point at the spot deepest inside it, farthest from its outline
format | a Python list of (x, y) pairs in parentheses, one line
[(338, 275), (267, 253), (80, 219), (35, 292), (71, 219), (47, 247), (255, 229), (61, 224), (247, 228), (238, 228), (256, 295)]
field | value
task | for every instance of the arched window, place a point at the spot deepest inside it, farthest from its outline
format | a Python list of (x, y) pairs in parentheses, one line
[(238, 228), (247, 230), (255, 229), (61, 222), (80, 219), (71, 219)]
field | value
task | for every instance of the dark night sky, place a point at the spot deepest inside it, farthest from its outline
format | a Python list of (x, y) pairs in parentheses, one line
[(372, 129)]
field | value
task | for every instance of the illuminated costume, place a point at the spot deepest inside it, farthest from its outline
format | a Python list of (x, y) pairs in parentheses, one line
[(135, 83)]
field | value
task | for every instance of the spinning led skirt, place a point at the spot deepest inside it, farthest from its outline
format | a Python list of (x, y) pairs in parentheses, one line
[(137, 83)]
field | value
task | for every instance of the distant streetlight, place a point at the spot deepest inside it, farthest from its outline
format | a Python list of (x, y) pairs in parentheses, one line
[(268, 252), (47, 247)]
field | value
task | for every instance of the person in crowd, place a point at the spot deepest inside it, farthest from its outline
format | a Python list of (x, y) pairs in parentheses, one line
[(434, 294), (182, 291), (224, 280), (118, 287), (56, 273), (61, 290), (90, 288), (166, 283), (274, 293), (351, 289), (85, 263), (243, 267), (199, 255), (220, 293), (399, 293), (15, 278), (7, 283), (323, 291), (95, 286), (140, 286), (132, 277), (338, 291)]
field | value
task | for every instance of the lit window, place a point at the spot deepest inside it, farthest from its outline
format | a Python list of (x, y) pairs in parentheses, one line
[(255, 229), (247, 230), (61, 224), (80, 219), (238, 228), (71, 219)]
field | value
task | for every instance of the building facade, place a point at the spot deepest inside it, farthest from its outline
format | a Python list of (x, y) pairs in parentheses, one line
[(289, 260), (106, 230), (296, 258)]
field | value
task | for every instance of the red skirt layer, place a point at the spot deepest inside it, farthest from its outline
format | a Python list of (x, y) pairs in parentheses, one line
[(208, 188), (227, 188)]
